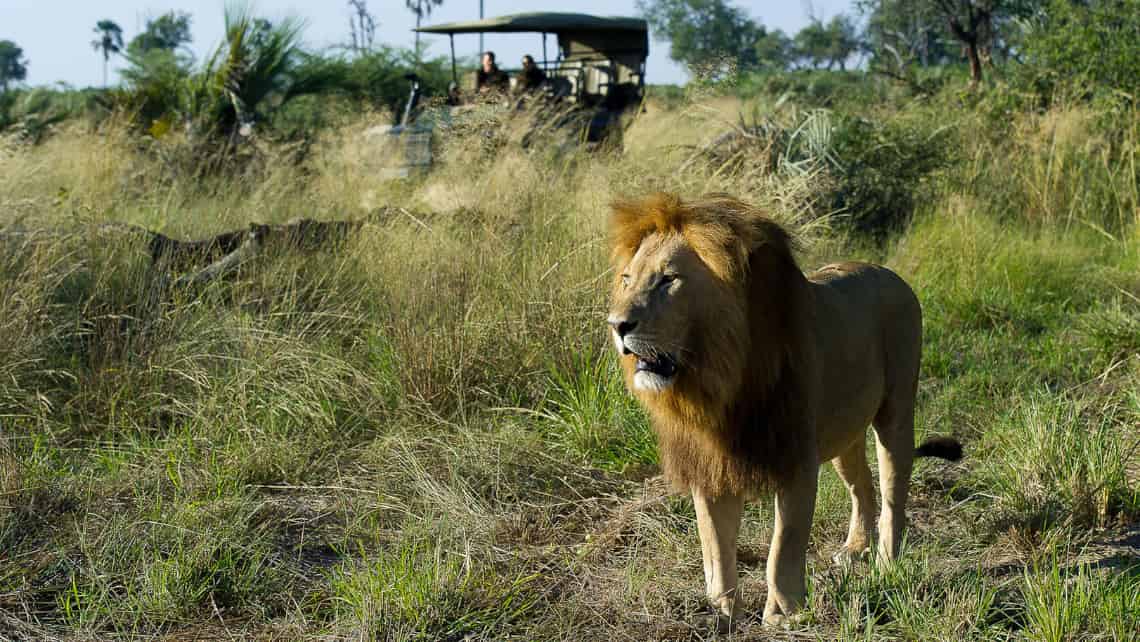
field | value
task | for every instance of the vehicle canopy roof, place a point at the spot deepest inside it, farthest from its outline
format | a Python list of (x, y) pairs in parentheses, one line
[(600, 33)]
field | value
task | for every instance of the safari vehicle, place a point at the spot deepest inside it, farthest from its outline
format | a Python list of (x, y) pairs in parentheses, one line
[(595, 80), (599, 64)]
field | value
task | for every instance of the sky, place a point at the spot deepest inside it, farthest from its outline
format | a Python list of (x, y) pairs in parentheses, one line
[(56, 35)]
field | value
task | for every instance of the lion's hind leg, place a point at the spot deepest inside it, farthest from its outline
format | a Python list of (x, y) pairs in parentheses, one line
[(856, 475), (894, 445)]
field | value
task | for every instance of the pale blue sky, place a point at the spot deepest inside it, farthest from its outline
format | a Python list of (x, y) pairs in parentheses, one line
[(56, 34)]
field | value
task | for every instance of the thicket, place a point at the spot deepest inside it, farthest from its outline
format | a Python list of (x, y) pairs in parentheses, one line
[(258, 80), (1084, 49), (28, 115)]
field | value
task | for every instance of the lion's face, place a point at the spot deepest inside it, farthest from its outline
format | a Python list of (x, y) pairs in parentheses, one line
[(664, 300)]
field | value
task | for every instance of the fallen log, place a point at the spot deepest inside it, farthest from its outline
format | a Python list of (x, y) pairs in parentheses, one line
[(198, 262), (177, 255), (298, 234), (224, 265)]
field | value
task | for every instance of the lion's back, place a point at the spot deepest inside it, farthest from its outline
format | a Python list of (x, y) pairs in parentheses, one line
[(868, 329), (869, 288)]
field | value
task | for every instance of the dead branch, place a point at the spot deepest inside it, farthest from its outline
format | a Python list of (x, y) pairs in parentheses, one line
[(225, 265), (177, 255), (228, 248)]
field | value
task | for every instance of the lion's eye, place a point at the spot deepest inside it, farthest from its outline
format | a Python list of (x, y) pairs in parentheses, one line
[(625, 280), (666, 280)]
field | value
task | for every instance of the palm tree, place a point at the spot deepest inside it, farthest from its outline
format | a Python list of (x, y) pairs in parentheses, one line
[(110, 41), (363, 26), (250, 74), (422, 9)]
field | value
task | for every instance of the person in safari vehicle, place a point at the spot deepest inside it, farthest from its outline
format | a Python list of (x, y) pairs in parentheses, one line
[(490, 78), (531, 77)]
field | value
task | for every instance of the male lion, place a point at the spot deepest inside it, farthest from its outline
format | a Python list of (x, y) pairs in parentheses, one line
[(754, 374)]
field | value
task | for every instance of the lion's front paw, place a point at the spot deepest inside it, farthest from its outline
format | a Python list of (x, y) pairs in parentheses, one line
[(846, 557), (714, 622), (779, 620), (724, 604)]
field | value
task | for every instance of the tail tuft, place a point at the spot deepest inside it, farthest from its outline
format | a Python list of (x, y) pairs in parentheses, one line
[(941, 447)]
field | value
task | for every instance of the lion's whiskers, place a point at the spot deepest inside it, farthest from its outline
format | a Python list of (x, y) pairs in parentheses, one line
[(659, 347)]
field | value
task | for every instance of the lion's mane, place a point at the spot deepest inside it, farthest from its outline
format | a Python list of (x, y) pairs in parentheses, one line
[(736, 423)]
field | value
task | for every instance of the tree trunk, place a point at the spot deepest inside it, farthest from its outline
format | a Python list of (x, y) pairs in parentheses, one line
[(418, 18), (975, 59), (971, 35)]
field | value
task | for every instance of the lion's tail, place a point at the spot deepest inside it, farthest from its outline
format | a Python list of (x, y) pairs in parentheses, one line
[(941, 447)]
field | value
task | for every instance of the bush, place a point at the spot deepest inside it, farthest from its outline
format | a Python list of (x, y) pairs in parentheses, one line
[(882, 170), (668, 96), (1078, 47), (379, 76), (870, 173), (814, 88), (30, 114), (293, 95), (249, 76)]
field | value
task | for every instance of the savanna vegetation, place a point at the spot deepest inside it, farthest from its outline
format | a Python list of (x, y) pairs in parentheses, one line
[(420, 432)]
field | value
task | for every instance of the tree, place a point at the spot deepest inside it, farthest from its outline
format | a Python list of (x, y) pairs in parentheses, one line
[(812, 44), (422, 9), (160, 49), (843, 40), (1074, 45), (901, 32), (110, 41), (971, 23), (774, 50), (252, 73), (704, 33), (363, 26), (13, 66), (828, 44), (978, 26), (167, 32)]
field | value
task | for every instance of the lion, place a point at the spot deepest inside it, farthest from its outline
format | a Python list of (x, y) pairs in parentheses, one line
[(754, 374)]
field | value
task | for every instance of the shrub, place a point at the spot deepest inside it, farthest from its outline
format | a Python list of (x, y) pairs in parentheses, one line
[(29, 115), (254, 72), (871, 173), (377, 77), (813, 88), (1083, 47), (882, 171)]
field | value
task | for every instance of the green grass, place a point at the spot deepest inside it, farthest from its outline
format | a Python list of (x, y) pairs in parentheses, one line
[(589, 409), (412, 594), (1066, 601), (424, 435)]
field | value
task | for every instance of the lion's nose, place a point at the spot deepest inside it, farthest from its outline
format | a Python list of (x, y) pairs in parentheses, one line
[(622, 326)]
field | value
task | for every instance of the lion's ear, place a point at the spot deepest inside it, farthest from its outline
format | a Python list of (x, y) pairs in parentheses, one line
[(624, 232), (631, 220), (770, 238), (776, 286), (771, 258)]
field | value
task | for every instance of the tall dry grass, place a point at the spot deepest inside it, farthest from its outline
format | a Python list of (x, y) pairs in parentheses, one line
[(422, 435)]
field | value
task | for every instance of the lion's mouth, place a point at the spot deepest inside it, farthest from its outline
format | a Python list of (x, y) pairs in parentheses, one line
[(661, 365), (654, 372)]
